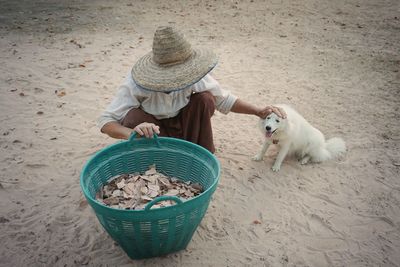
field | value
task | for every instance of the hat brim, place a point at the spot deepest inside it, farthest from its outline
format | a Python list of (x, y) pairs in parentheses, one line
[(155, 77)]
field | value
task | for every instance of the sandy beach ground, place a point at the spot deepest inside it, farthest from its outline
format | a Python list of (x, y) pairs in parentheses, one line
[(336, 62)]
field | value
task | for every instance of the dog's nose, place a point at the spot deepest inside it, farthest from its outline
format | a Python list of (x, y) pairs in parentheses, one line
[(268, 128)]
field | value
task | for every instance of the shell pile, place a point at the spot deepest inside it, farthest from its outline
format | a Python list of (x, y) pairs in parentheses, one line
[(134, 191)]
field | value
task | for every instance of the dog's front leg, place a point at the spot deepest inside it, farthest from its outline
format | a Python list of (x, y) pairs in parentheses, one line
[(261, 154), (281, 156)]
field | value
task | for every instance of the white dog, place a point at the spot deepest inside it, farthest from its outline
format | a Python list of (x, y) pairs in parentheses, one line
[(295, 135)]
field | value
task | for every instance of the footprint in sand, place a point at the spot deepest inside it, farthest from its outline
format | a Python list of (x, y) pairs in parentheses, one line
[(213, 228), (320, 225)]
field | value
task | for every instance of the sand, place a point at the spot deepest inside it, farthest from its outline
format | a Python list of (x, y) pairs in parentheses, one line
[(336, 62)]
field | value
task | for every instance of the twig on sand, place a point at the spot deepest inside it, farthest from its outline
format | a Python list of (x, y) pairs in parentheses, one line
[(9, 182)]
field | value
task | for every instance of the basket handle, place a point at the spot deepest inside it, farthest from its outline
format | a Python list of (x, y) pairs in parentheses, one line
[(162, 198), (132, 138)]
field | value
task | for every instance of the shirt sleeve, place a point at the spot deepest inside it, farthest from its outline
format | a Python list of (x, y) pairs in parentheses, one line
[(224, 100), (121, 104)]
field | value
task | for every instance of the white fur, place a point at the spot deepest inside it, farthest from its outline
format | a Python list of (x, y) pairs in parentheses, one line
[(297, 136)]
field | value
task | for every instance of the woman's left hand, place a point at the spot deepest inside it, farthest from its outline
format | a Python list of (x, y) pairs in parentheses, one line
[(263, 113)]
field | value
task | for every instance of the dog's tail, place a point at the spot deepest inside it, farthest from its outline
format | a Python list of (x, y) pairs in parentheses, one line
[(335, 146)]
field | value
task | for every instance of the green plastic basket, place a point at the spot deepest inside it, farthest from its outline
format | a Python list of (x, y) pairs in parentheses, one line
[(152, 232)]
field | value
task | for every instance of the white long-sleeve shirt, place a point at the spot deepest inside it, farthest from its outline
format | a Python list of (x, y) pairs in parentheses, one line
[(162, 105)]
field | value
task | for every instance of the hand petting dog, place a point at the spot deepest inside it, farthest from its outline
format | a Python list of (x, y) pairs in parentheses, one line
[(263, 113)]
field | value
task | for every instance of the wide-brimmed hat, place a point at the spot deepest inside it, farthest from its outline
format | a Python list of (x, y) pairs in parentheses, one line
[(173, 64)]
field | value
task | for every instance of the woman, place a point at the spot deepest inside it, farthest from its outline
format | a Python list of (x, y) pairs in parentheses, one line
[(170, 92)]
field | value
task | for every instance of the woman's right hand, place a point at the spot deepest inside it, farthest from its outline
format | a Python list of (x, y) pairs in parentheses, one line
[(147, 129)]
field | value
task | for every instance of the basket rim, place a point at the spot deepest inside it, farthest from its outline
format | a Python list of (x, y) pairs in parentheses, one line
[(131, 142)]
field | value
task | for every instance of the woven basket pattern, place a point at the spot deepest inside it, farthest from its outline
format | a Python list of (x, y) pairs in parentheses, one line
[(155, 232)]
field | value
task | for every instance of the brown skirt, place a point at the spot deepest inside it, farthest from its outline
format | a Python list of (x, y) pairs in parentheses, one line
[(193, 123)]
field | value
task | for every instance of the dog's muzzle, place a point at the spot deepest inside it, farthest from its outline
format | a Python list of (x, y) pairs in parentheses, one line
[(269, 134)]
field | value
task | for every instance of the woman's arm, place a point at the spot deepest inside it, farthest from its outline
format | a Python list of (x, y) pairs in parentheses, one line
[(116, 130), (240, 106)]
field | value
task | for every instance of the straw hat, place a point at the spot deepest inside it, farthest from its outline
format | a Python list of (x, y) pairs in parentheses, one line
[(173, 64)]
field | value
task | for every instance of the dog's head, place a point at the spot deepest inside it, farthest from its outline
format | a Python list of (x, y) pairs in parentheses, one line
[(272, 125)]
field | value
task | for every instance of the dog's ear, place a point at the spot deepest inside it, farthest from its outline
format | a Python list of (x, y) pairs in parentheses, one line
[(288, 124)]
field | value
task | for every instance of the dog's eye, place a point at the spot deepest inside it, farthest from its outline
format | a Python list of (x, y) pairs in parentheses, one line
[(268, 118), (277, 120)]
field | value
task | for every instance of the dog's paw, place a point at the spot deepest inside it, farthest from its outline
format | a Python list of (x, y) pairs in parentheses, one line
[(305, 160), (276, 168), (257, 158)]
